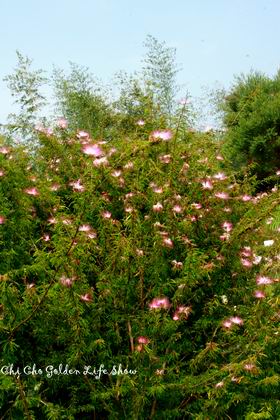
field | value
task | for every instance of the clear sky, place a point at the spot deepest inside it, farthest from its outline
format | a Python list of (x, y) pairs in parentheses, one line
[(215, 39)]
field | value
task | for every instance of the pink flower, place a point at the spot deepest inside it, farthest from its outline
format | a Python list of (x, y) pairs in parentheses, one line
[(246, 197), (129, 165), (66, 222), (197, 206), (106, 214), (158, 190), (164, 135), (54, 187), (116, 173), (103, 161), (91, 235), (220, 176), (246, 251), (263, 280), (227, 324), (62, 123), (112, 151), (257, 259), (160, 303), (222, 195), (181, 311), (83, 135), (32, 191), (129, 195), (140, 123), (46, 237), (165, 158), (177, 264), (2, 220), (143, 340), (236, 320), (167, 242), (121, 181), (2, 173), (246, 263), (225, 237), (227, 210), (47, 131), (92, 150), (77, 186), (158, 225), (68, 282), (259, 294), (227, 226), (52, 220), (39, 127), (86, 297), (4, 150), (249, 366), (219, 384), (207, 184), (157, 207), (85, 228), (177, 209), (184, 101)]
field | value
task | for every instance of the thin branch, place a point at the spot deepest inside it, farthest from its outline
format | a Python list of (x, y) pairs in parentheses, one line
[(130, 336)]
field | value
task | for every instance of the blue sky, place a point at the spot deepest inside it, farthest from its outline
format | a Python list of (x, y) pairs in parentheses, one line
[(215, 39)]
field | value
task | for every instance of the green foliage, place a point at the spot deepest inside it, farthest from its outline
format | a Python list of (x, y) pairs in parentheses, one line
[(135, 104), (159, 71), (251, 116), (25, 85), (150, 95), (81, 101)]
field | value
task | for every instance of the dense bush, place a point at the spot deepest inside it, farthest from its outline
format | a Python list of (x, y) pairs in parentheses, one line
[(252, 118), (144, 254)]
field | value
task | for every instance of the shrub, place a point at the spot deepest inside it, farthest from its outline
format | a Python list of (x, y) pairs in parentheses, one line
[(251, 116), (135, 253)]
